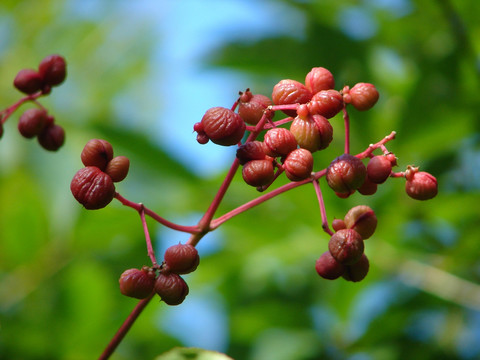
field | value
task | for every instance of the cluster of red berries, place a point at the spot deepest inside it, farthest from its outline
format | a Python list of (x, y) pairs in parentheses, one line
[(93, 186), (168, 284)]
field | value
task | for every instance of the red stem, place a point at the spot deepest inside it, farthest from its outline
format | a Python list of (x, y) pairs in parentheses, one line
[(148, 240), (5, 114), (321, 203), (346, 120)]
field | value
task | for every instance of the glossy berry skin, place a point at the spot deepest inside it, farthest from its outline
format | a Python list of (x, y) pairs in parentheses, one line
[(319, 79), (52, 137), (53, 69), (288, 92), (28, 81), (368, 187), (346, 246), (358, 271), (223, 126), (97, 152), (363, 96), (362, 219), (279, 142), (171, 288), (313, 132), (137, 283), (379, 169), (298, 164), (252, 150), (329, 268), (92, 188), (258, 172), (32, 122), (181, 258), (345, 174), (327, 103), (420, 185), (252, 106), (117, 168), (338, 224)]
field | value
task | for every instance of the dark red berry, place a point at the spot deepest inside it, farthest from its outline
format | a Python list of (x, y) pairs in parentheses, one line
[(181, 258), (171, 288), (92, 188), (368, 187), (279, 142), (97, 152), (346, 246), (28, 81), (362, 219), (338, 224), (362, 96), (258, 172), (53, 69), (345, 174), (252, 150), (379, 169), (420, 185), (358, 271), (252, 106), (329, 268), (117, 168), (312, 133), (319, 79), (51, 137), (137, 283), (298, 164), (327, 103), (223, 126), (288, 92), (32, 122)]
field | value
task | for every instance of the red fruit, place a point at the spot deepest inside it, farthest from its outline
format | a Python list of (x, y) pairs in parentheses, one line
[(117, 168), (97, 152), (312, 133), (420, 185), (346, 246), (329, 268), (28, 81), (252, 150), (279, 142), (368, 187), (181, 258), (171, 288), (318, 79), (223, 126), (92, 188), (53, 69), (137, 283), (290, 92), (32, 122), (362, 96), (51, 137), (338, 224), (379, 169), (345, 174), (358, 271), (258, 172), (327, 103), (298, 164), (251, 107), (362, 219)]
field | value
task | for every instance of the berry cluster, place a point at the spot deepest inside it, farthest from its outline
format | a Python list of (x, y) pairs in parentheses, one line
[(36, 122)]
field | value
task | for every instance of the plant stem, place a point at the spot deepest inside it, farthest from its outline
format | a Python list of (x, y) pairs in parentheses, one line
[(5, 114), (346, 120), (148, 240), (321, 203)]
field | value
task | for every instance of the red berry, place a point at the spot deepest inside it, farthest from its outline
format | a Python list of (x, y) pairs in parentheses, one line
[(252, 150), (251, 107), (117, 168), (137, 283), (28, 81), (318, 79), (363, 96), (346, 246), (92, 188), (53, 69), (338, 224), (97, 152), (32, 122), (288, 92), (171, 288), (345, 174), (368, 187), (379, 169), (312, 133), (327, 103), (279, 142), (51, 137), (362, 219), (358, 271), (298, 164), (181, 258), (420, 185), (329, 268), (258, 172), (223, 126)]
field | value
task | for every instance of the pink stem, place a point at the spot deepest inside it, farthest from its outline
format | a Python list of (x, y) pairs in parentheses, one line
[(11, 109), (346, 120), (379, 144), (321, 203), (148, 240)]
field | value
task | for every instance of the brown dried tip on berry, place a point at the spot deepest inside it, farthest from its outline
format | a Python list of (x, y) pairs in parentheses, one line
[(329, 268), (420, 185), (362, 219), (313, 132), (362, 96), (327, 103), (379, 169), (223, 126), (252, 150), (92, 188), (53, 69), (117, 168), (338, 224), (181, 258), (52, 137), (28, 81), (279, 142), (97, 152), (258, 172), (358, 271), (252, 106), (345, 174), (137, 283), (298, 164), (32, 122), (288, 92), (171, 288), (319, 79), (346, 246)]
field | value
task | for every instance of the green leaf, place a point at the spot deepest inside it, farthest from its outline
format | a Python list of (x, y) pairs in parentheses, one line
[(192, 354)]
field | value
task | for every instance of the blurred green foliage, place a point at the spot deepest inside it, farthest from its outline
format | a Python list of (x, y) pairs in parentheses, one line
[(59, 264)]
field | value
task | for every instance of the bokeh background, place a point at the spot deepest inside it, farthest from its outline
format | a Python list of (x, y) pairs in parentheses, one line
[(140, 74)]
